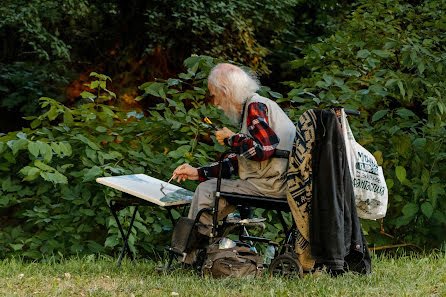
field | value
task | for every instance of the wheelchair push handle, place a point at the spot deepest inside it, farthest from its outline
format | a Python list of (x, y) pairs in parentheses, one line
[(352, 112)]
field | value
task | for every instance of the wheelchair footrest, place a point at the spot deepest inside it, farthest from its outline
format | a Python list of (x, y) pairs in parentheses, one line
[(174, 250), (251, 222), (255, 238), (234, 220)]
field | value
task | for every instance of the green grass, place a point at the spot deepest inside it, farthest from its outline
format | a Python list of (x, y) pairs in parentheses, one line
[(402, 276)]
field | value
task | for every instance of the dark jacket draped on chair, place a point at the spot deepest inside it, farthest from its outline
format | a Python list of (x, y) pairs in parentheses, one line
[(335, 236)]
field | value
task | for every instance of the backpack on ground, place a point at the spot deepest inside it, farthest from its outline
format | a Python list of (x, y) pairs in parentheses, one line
[(238, 261)]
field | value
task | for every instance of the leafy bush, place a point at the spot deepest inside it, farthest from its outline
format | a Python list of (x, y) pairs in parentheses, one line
[(221, 29), (48, 43), (388, 61), (22, 83), (50, 202), (41, 38)]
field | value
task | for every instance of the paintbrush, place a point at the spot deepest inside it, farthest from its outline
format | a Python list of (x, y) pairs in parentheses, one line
[(165, 185), (209, 122)]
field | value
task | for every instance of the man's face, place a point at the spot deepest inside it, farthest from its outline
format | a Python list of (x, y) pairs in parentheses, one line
[(225, 103), (217, 98)]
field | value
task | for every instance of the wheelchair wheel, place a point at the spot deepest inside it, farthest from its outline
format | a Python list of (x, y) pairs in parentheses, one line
[(286, 265)]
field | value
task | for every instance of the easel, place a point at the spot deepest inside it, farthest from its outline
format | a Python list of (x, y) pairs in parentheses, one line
[(142, 190)]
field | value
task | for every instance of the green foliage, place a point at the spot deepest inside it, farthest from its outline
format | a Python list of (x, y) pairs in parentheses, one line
[(22, 83), (39, 40), (47, 42), (45, 29), (48, 173), (388, 62), (241, 31)]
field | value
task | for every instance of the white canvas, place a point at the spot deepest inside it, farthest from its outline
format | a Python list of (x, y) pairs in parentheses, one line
[(148, 188)]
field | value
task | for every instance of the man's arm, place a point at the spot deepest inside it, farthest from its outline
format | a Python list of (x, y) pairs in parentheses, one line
[(258, 147), (263, 140), (229, 168)]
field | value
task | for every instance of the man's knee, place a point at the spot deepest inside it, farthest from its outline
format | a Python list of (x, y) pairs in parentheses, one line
[(205, 193), (208, 186)]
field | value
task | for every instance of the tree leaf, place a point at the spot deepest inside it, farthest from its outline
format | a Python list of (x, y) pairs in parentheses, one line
[(111, 241), (372, 62), (400, 85), (30, 173), (67, 117), (351, 73), (33, 148), (402, 221), (43, 166), (52, 113), (16, 246), (405, 113), (382, 54), (157, 228), (379, 90), (275, 94), (362, 54), (101, 129), (87, 142), (400, 173), (434, 191), (88, 95), (427, 209), (54, 177), (56, 148), (379, 114), (410, 209), (46, 151), (92, 173), (419, 143), (18, 145), (65, 148), (379, 157), (10, 186), (389, 183), (421, 67)]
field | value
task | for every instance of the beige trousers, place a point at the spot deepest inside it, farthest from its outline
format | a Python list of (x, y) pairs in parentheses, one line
[(205, 197)]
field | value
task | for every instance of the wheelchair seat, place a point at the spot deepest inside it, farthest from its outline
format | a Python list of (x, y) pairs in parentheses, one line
[(279, 204)]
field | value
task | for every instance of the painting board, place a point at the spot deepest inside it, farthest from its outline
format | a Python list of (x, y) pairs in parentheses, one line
[(148, 188)]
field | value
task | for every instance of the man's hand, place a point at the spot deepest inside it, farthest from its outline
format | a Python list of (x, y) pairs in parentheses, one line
[(184, 172), (222, 134)]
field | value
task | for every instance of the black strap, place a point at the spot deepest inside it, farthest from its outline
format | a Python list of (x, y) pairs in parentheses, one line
[(281, 154)]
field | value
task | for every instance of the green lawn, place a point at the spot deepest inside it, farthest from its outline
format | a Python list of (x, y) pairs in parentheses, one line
[(402, 276)]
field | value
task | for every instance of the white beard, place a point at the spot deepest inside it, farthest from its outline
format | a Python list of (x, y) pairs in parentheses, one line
[(233, 114)]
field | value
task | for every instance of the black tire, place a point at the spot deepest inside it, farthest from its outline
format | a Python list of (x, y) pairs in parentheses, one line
[(286, 265)]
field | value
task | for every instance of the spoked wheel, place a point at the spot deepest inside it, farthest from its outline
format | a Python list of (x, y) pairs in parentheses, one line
[(286, 265)]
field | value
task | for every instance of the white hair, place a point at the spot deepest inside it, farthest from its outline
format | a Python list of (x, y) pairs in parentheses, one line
[(233, 81)]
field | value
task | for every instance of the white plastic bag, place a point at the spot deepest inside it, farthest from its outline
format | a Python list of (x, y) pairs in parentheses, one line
[(371, 194)]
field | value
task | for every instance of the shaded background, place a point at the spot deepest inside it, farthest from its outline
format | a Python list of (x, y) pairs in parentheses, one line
[(49, 47)]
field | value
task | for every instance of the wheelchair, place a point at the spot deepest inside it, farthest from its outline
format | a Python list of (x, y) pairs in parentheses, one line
[(285, 261)]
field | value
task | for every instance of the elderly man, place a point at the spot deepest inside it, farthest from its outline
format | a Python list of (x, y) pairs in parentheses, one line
[(265, 131)]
